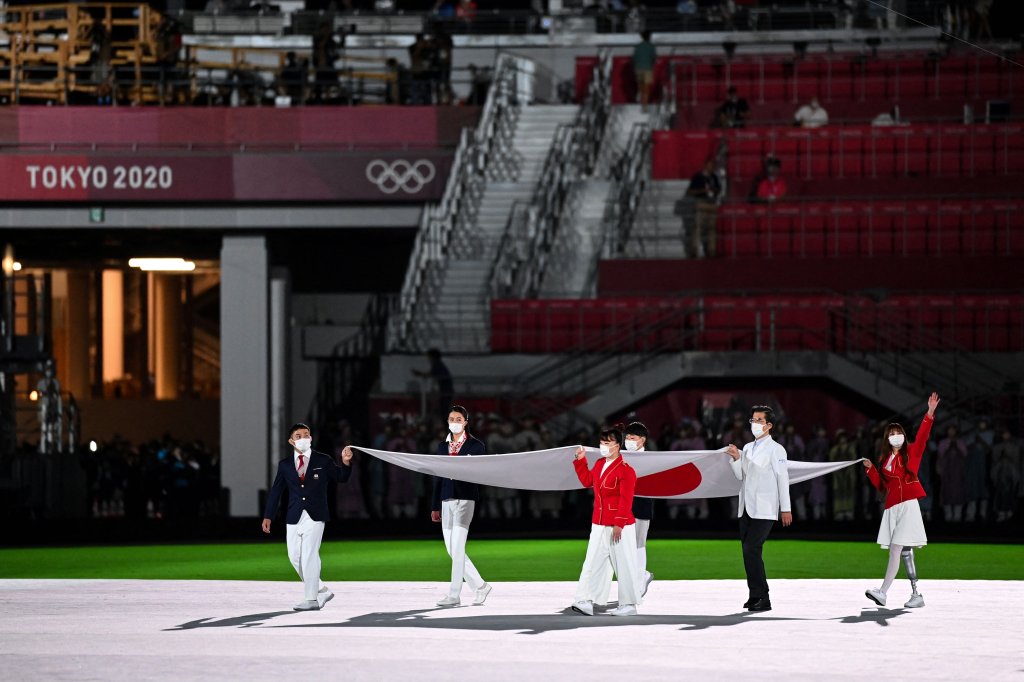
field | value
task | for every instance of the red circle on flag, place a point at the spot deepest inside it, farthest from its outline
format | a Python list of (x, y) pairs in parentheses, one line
[(677, 481)]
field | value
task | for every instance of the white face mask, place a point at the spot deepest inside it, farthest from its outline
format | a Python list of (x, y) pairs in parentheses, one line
[(606, 451), (757, 429), (302, 444), (456, 427), (632, 445), (896, 440)]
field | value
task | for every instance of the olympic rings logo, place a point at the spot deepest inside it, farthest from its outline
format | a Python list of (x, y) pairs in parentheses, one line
[(408, 176)]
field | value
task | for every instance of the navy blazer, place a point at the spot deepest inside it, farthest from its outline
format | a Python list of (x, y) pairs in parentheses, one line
[(309, 494), (448, 489)]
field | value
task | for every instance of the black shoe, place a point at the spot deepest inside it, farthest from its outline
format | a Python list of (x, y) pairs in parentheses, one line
[(762, 604), (750, 602)]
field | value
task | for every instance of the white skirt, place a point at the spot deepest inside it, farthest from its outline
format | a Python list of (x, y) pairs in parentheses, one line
[(902, 525)]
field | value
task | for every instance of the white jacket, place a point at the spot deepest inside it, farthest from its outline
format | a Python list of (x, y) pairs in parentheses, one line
[(764, 479)]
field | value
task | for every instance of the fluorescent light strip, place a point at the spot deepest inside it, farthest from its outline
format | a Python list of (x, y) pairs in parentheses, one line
[(162, 264)]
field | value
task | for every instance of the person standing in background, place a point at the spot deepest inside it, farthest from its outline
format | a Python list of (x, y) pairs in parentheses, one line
[(644, 57), (844, 481), (952, 470), (1006, 475), (705, 189)]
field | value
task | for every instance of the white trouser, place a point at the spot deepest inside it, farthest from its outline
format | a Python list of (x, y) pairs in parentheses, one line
[(456, 515), (303, 540), (604, 557), (642, 526)]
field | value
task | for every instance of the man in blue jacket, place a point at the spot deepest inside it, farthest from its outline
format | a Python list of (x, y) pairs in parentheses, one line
[(306, 474)]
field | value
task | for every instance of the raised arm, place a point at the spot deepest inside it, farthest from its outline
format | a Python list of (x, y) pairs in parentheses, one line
[(582, 469), (916, 450), (342, 472)]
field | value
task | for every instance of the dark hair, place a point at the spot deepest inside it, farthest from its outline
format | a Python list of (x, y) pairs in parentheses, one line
[(612, 433), (645, 35), (887, 449), (461, 410), (638, 429), (296, 426), (769, 413)]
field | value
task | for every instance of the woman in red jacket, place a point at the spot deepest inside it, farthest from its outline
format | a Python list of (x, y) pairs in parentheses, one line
[(612, 545), (902, 527)]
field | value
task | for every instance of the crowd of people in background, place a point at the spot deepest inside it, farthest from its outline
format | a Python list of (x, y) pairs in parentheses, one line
[(976, 478), (161, 479)]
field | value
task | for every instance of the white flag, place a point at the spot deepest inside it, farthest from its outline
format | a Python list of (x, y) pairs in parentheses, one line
[(691, 474)]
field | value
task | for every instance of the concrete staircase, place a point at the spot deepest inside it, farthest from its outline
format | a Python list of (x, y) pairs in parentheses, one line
[(459, 318), (658, 230), (571, 272)]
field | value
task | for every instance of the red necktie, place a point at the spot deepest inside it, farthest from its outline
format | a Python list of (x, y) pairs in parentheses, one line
[(301, 468)]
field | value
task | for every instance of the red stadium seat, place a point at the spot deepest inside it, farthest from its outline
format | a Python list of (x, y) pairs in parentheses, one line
[(848, 154), (947, 233), (880, 154), (809, 239), (843, 231), (947, 151)]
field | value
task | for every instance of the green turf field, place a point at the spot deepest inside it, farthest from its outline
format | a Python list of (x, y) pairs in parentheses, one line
[(500, 560)]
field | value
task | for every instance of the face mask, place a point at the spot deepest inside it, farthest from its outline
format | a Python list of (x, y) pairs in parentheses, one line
[(302, 444), (896, 440), (456, 427), (632, 445), (606, 451), (757, 429)]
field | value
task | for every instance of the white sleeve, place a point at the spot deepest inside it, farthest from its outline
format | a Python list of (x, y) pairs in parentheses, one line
[(737, 467), (780, 464)]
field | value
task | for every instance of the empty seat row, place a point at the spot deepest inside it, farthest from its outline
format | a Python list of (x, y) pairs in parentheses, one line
[(847, 152), (733, 323), (833, 79), (877, 228)]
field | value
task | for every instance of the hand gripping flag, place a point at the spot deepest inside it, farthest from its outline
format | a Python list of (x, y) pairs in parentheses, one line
[(692, 474)]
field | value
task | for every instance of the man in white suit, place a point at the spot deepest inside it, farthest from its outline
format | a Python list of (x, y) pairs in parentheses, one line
[(763, 472)]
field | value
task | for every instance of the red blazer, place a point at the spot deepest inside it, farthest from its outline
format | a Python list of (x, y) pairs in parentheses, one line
[(901, 484), (613, 491)]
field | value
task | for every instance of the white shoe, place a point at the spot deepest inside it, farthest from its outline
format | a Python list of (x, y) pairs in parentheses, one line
[(481, 594), (627, 610), (876, 596), (584, 607), (311, 605), (916, 601), (324, 596), (449, 601), (648, 578)]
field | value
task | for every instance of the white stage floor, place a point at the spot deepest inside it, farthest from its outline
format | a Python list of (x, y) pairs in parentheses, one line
[(819, 629)]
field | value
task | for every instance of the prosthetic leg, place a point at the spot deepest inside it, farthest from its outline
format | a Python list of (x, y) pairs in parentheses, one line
[(916, 598)]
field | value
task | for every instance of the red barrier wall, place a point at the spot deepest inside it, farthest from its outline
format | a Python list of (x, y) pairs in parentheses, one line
[(376, 127)]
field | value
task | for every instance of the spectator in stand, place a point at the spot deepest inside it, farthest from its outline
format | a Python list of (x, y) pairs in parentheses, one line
[(817, 451), (1006, 475), (480, 83), (811, 115), (978, 453), (421, 58), (734, 111), (772, 187), (952, 470), (644, 58), (443, 60), (443, 384), (465, 11), (325, 54), (844, 481), (705, 189), (292, 79)]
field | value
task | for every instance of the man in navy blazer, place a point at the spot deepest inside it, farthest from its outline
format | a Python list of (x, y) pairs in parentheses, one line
[(452, 505), (306, 474)]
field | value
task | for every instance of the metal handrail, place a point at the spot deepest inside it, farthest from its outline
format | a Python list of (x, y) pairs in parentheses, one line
[(574, 152), (631, 175), (479, 153)]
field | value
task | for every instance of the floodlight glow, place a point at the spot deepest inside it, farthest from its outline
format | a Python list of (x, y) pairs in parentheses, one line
[(162, 264), (17, 266)]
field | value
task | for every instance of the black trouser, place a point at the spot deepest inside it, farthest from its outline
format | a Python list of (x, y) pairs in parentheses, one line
[(753, 533)]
